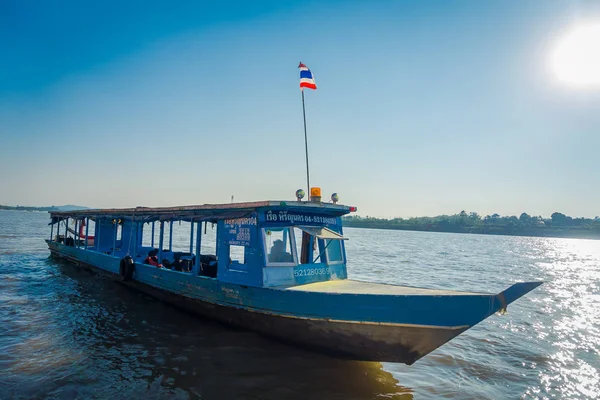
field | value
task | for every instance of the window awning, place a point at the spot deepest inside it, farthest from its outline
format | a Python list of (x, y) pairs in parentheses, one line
[(321, 232)]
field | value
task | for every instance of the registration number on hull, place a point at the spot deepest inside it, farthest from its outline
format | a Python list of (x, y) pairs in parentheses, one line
[(311, 272)]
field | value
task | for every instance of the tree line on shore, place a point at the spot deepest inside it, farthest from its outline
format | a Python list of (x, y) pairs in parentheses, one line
[(558, 225), (49, 208)]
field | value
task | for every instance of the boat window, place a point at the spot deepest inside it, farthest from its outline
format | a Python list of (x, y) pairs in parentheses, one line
[(330, 248), (305, 245), (236, 254), (119, 233), (89, 227), (208, 251), (181, 236), (147, 239), (333, 248), (208, 244), (280, 246), (146, 236)]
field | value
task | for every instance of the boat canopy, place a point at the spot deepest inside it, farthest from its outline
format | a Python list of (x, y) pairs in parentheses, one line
[(205, 212), (262, 244)]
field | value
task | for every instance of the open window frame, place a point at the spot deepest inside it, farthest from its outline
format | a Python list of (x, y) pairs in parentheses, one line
[(327, 237)]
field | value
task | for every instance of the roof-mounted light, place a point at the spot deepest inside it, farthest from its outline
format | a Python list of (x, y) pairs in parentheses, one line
[(335, 198), (300, 194), (353, 209), (315, 194)]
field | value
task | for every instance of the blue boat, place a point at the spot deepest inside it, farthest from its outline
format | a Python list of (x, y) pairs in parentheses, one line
[(278, 268)]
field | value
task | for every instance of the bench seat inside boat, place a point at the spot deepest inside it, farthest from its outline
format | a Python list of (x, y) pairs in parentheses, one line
[(359, 287)]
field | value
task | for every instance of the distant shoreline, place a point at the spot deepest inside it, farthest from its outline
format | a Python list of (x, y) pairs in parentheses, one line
[(558, 226), (562, 235), (28, 209), (68, 207)]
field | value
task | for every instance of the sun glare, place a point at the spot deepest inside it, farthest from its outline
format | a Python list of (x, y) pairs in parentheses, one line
[(576, 57)]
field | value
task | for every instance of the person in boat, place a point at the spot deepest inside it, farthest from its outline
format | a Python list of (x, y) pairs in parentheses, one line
[(208, 265), (152, 259), (278, 253), (182, 262)]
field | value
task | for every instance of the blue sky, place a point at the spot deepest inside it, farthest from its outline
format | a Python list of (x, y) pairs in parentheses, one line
[(423, 107)]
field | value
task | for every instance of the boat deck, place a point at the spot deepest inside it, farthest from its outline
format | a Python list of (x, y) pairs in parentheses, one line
[(358, 287)]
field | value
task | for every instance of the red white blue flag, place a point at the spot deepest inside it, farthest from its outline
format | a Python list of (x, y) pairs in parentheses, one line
[(306, 78)]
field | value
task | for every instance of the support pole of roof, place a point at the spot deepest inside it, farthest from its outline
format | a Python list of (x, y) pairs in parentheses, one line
[(152, 240), (87, 230), (51, 230), (66, 230), (76, 234), (171, 235), (191, 237), (96, 236), (196, 267), (115, 236), (161, 240), (135, 239), (139, 228)]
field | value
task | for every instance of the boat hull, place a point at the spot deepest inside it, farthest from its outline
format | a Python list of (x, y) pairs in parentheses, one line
[(366, 327), (348, 339), (362, 341)]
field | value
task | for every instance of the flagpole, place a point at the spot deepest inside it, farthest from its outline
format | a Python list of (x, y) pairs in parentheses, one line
[(305, 144)]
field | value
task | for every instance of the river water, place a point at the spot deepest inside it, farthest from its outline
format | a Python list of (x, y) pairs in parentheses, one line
[(66, 333)]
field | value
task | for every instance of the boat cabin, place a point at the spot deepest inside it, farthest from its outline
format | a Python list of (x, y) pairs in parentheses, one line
[(265, 244)]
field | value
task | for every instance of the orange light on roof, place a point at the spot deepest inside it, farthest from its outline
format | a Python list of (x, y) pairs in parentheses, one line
[(315, 194)]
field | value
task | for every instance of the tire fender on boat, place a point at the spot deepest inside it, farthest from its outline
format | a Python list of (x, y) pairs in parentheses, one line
[(126, 268)]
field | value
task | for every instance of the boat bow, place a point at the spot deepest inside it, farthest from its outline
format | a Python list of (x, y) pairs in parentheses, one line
[(504, 298)]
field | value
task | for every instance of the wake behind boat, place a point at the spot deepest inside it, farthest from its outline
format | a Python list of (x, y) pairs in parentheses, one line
[(278, 268)]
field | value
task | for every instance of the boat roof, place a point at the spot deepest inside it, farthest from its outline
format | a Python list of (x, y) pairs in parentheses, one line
[(205, 211)]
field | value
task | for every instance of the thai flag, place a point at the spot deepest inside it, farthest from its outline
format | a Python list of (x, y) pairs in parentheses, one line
[(306, 78)]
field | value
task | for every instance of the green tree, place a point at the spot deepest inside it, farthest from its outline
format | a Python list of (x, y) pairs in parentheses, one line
[(558, 218), (525, 218)]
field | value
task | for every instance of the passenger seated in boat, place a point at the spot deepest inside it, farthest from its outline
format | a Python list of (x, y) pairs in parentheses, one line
[(171, 265), (179, 264), (152, 259), (208, 265), (278, 253), (186, 263)]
